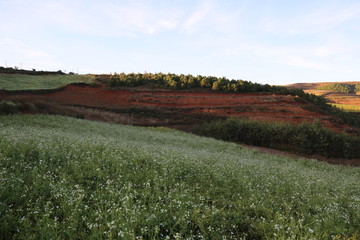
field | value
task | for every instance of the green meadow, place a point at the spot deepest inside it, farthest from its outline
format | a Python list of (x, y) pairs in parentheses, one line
[(35, 82), (64, 178)]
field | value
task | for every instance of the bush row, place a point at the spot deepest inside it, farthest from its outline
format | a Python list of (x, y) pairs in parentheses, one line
[(13, 107), (8, 107), (305, 138)]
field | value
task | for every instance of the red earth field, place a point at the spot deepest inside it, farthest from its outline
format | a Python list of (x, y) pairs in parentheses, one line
[(178, 109)]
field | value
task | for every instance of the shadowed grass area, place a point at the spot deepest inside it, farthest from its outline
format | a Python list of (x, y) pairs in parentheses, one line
[(64, 178), (33, 82)]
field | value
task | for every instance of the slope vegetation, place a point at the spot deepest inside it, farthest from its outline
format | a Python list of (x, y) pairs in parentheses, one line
[(63, 178), (345, 95)]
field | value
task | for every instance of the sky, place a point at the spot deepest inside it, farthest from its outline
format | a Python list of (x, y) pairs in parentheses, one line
[(263, 41)]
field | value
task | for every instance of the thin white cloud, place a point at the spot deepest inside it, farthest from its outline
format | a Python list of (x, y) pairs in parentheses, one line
[(138, 18), (335, 16), (209, 16), (22, 49), (329, 50), (109, 18), (120, 18), (303, 57), (312, 22), (306, 63), (197, 16), (23, 55)]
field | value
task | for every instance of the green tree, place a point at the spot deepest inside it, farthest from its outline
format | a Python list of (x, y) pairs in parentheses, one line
[(357, 87), (215, 86)]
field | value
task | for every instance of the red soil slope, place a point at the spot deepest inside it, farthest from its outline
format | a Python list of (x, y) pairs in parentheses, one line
[(167, 107)]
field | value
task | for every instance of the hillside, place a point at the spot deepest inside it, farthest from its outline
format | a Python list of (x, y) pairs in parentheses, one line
[(189, 103), (63, 178), (179, 101), (180, 109), (345, 95)]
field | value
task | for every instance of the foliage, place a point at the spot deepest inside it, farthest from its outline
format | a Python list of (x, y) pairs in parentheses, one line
[(357, 87), (180, 82), (8, 107), (340, 87), (65, 178), (34, 82), (305, 138)]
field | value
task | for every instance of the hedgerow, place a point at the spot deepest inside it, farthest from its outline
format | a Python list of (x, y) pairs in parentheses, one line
[(304, 138)]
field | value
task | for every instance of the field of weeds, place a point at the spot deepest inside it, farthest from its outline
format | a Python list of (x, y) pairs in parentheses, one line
[(35, 82), (64, 178)]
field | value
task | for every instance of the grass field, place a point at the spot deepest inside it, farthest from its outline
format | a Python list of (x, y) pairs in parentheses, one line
[(31, 82), (64, 178), (347, 107)]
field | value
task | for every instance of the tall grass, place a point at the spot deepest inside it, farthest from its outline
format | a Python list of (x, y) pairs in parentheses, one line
[(64, 178), (31, 82)]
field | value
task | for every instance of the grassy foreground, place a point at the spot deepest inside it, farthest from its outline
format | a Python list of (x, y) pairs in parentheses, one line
[(34, 82), (64, 178)]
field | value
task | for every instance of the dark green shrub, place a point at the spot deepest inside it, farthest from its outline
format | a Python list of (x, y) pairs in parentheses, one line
[(305, 138), (8, 107), (26, 107)]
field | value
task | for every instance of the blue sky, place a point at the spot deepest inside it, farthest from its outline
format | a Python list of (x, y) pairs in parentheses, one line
[(264, 41)]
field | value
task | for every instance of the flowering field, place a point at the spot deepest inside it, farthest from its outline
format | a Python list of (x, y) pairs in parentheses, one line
[(63, 178)]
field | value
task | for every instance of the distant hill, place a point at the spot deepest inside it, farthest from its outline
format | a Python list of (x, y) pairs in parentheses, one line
[(345, 95)]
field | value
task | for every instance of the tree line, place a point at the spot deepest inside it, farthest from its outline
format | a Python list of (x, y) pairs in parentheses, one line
[(304, 138)]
